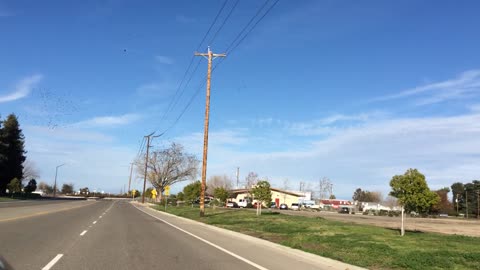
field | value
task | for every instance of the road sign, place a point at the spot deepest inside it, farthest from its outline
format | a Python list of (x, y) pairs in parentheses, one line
[(167, 190), (154, 194)]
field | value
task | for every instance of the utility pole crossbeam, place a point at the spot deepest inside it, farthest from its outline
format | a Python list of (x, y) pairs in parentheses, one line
[(210, 56), (149, 137)]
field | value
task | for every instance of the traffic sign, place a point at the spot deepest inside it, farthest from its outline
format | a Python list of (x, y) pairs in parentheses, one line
[(167, 190)]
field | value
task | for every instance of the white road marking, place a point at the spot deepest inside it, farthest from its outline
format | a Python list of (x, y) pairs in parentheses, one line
[(84, 232), (100, 217), (208, 242), (52, 262), (94, 222)]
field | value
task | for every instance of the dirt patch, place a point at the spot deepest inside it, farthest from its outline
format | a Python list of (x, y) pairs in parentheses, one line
[(439, 225)]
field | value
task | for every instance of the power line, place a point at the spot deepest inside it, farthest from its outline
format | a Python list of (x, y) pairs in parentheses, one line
[(224, 22), (246, 26), (211, 25), (140, 149), (192, 98), (251, 29), (174, 100), (229, 49)]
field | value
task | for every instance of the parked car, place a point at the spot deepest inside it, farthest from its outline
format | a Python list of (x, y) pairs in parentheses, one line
[(273, 205), (255, 205), (295, 206), (232, 205), (283, 206)]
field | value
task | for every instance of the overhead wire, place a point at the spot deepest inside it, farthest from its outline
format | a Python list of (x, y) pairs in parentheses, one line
[(246, 26), (224, 22), (229, 50), (173, 102)]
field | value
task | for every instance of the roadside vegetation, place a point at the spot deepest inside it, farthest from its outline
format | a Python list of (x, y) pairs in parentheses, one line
[(362, 245)]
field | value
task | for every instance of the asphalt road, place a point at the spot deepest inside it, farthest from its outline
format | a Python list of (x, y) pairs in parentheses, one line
[(116, 235), (122, 238)]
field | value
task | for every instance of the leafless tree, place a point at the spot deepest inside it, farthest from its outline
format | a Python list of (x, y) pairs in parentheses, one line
[(391, 202), (168, 166), (29, 170), (217, 181), (325, 187), (286, 186), (251, 180)]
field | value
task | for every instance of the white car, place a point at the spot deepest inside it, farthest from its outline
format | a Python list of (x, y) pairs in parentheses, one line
[(295, 206)]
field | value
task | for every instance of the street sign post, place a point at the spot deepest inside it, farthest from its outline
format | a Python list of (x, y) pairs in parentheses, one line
[(167, 193)]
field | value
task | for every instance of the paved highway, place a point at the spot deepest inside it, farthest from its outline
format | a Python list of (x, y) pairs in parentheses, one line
[(117, 235)]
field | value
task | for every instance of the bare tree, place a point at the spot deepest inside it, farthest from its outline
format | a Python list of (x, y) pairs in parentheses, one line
[(391, 202), (251, 180), (168, 166), (218, 181), (325, 187), (30, 171)]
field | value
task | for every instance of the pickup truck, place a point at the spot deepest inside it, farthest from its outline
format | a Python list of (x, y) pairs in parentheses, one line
[(313, 207), (242, 203)]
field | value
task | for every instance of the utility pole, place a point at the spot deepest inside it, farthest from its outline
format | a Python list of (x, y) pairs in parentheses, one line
[(149, 136), (238, 175), (478, 204), (466, 203), (210, 56), (130, 178), (457, 203), (55, 184)]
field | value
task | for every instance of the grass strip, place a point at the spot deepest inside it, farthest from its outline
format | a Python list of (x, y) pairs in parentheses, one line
[(363, 245)]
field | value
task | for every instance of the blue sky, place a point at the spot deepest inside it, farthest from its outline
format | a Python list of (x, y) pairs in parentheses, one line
[(356, 92)]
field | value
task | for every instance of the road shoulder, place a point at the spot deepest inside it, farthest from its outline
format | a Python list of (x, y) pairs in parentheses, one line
[(254, 249)]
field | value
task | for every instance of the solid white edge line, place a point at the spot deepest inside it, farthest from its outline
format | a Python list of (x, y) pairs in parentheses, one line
[(83, 233), (208, 242), (52, 262)]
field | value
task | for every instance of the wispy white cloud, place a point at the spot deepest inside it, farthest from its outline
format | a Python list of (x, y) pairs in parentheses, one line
[(22, 88), (331, 123), (467, 84), (164, 59), (156, 89), (367, 155), (108, 121)]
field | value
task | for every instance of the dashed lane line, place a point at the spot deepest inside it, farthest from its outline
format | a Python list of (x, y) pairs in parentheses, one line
[(53, 262)]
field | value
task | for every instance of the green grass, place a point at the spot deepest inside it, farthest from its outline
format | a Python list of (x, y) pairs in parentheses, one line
[(362, 245)]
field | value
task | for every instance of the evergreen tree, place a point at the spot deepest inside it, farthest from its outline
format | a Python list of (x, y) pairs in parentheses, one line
[(12, 141)]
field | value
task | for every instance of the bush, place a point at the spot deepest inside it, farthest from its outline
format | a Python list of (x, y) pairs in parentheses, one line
[(365, 213), (383, 212)]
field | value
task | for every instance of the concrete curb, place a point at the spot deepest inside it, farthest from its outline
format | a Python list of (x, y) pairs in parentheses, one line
[(301, 254)]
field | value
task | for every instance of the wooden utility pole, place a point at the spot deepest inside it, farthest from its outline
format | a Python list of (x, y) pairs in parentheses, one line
[(478, 204), (466, 203), (146, 164), (130, 178), (210, 56)]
